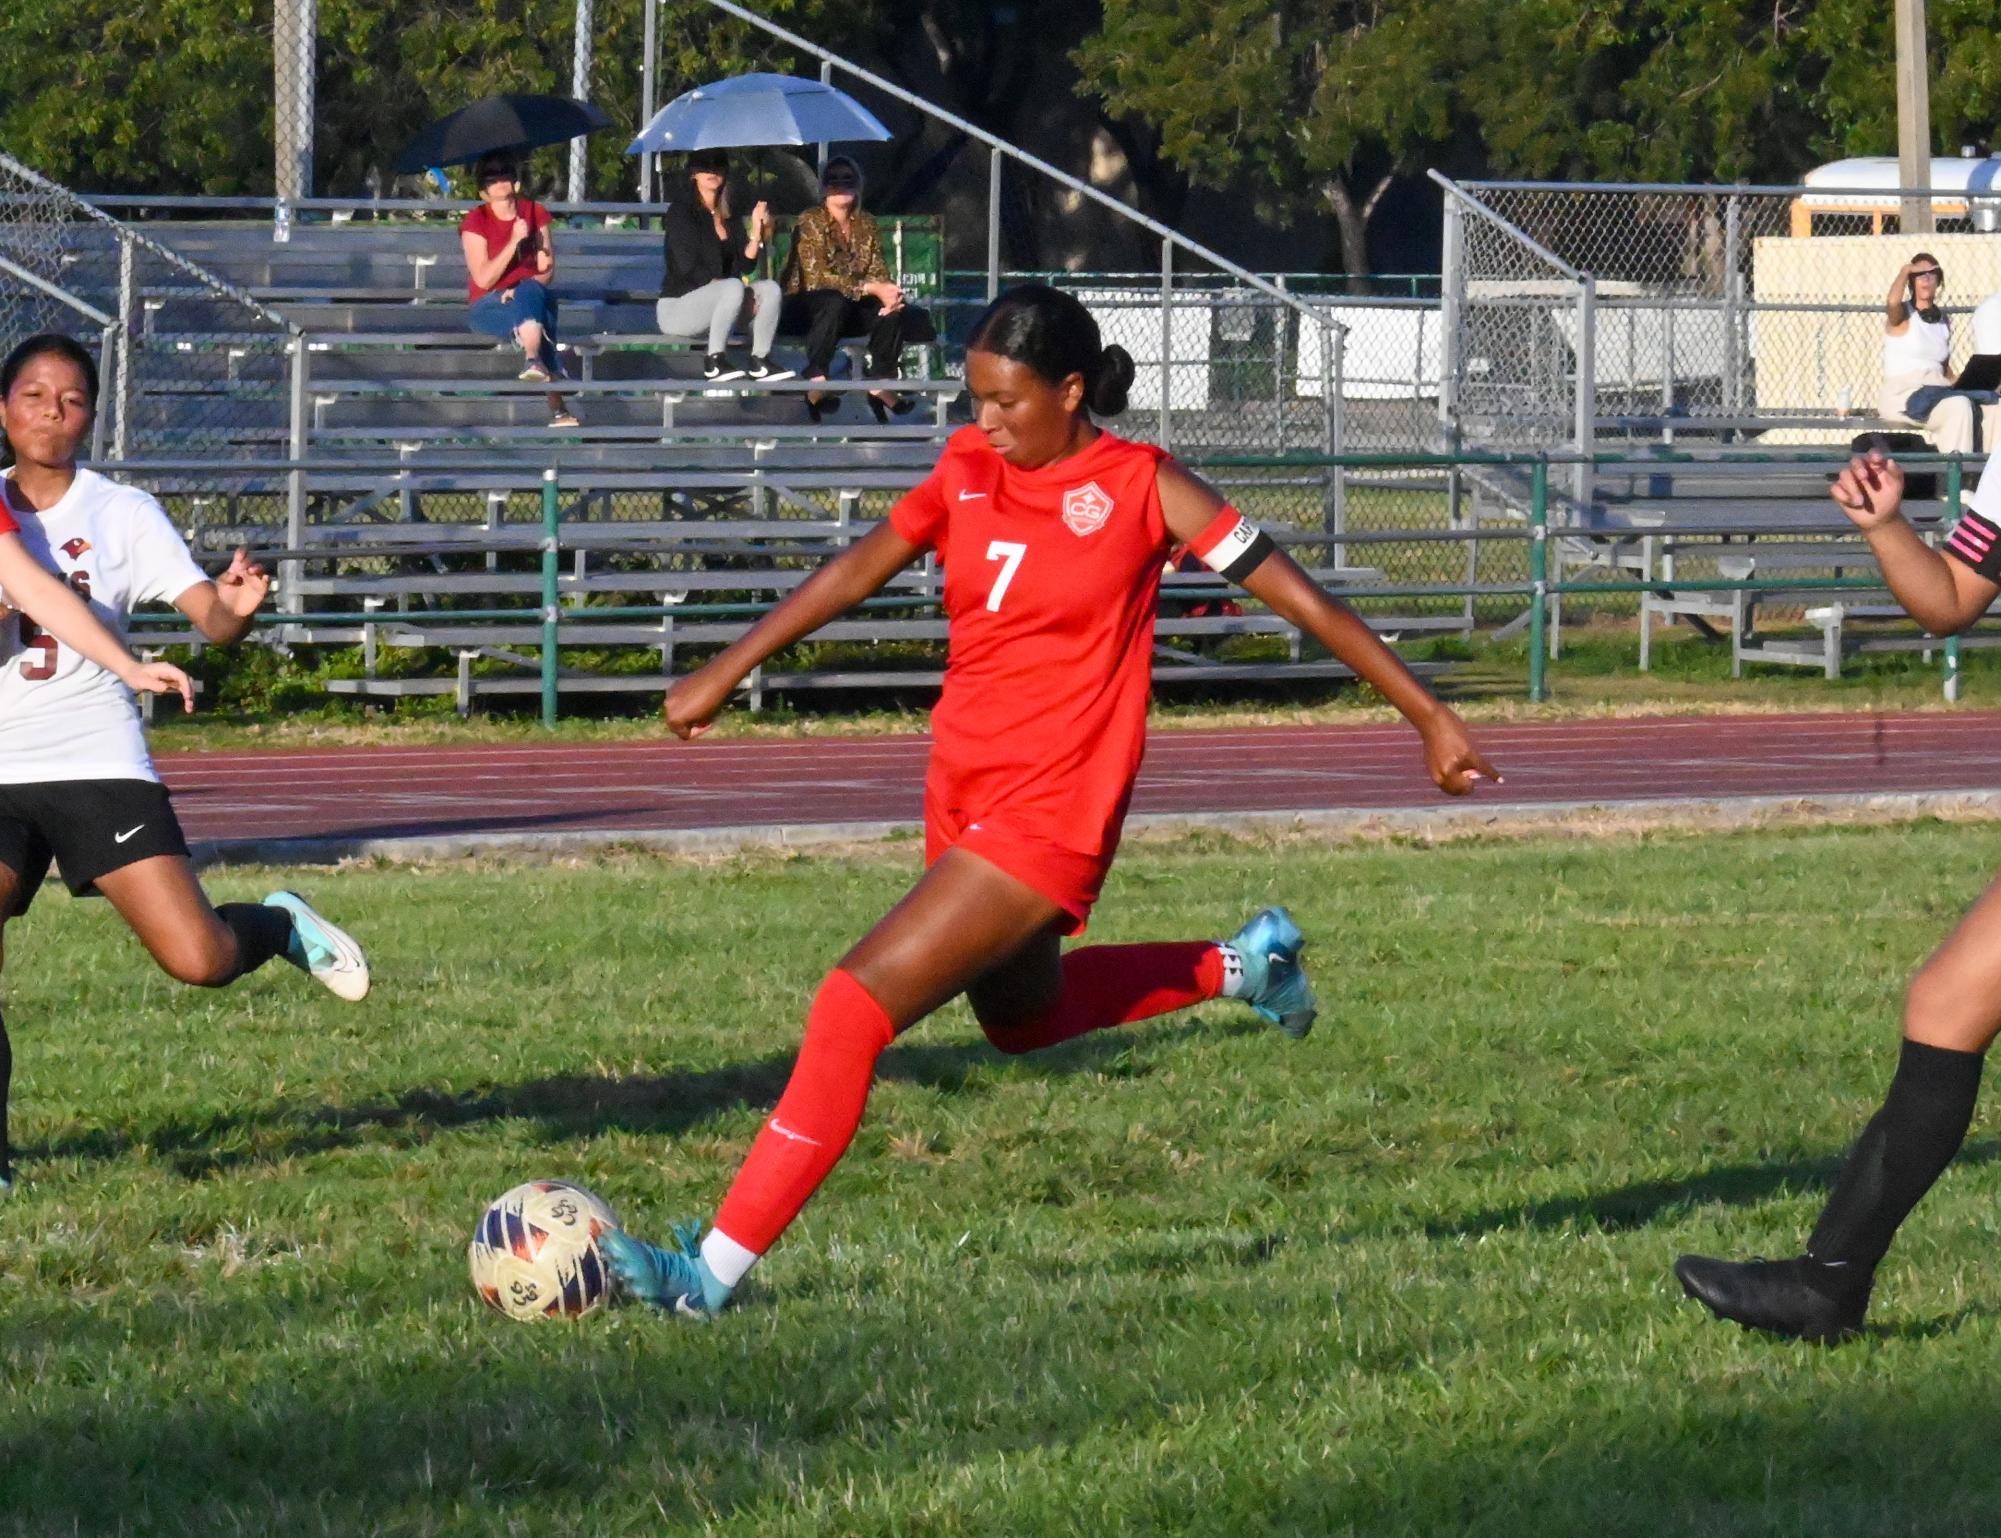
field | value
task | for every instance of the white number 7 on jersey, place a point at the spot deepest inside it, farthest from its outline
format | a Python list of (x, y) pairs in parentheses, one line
[(1009, 554)]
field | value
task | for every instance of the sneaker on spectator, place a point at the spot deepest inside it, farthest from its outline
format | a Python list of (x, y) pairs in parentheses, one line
[(767, 371), (565, 418), (717, 367), (534, 373)]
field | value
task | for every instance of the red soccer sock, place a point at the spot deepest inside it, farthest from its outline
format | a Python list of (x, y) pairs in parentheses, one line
[(1117, 984), (815, 1118)]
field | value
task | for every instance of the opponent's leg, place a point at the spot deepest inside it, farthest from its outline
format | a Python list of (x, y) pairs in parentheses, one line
[(1952, 1011), (210, 947), (928, 948), (8, 886)]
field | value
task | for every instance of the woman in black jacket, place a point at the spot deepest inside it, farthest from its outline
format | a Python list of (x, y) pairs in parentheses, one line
[(706, 286)]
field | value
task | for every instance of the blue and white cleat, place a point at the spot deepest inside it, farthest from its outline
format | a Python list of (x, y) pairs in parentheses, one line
[(677, 1280), (323, 949), (1275, 982)]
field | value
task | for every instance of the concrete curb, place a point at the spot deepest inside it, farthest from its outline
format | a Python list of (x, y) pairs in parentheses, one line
[(1458, 819)]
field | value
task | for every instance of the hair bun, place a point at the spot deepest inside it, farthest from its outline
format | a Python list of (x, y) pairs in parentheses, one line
[(1111, 382)]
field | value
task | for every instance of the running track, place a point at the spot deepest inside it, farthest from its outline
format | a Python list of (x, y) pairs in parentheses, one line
[(659, 786)]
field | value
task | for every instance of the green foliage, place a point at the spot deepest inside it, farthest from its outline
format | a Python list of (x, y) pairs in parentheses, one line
[(178, 98), (1408, 1277), (1317, 99)]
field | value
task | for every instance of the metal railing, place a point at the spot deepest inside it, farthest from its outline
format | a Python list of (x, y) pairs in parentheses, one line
[(1538, 589)]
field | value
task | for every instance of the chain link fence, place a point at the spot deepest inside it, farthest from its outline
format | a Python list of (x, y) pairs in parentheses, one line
[(192, 367), (1638, 313)]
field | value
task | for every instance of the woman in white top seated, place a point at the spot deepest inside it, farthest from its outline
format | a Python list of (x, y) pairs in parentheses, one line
[(1917, 351)]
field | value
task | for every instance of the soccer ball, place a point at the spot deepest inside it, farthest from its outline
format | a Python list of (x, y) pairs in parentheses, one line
[(535, 1252)]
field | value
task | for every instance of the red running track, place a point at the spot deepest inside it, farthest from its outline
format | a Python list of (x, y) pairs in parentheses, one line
[(661, 784)]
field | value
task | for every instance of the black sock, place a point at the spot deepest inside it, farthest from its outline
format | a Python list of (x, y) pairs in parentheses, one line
[(6, 1076), (1901, 1153), (261, 933)]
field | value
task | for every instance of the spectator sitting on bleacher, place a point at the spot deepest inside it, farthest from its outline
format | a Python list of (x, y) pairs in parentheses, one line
[(707, 284), (1917, 346), (510, 256), (837, 284)]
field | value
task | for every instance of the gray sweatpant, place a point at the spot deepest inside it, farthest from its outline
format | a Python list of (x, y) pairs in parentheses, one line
[(711, 310)]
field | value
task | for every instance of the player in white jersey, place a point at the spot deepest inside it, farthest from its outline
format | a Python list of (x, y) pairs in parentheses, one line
[(77, 785)]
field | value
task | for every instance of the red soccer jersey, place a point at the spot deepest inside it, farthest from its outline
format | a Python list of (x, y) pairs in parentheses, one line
[(499, 235), (1050, 581)]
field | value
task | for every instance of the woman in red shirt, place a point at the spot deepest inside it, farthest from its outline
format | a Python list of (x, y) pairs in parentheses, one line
[(510, 254), (1052, 533)]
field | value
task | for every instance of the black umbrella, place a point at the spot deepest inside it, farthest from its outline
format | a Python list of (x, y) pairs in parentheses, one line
[(500, 123)]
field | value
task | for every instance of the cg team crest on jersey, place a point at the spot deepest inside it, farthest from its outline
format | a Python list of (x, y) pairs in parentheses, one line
[(75, 548), (1085, 508)]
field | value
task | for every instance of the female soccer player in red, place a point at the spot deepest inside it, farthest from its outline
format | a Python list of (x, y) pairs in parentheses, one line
[(1952, 1009), (77, 786), (1052, 533)]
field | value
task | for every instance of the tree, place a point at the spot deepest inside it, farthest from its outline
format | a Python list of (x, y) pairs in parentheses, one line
[(178, 98), (1328, 100)]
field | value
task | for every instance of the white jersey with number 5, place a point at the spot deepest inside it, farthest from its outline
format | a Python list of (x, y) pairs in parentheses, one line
[(63, 717)]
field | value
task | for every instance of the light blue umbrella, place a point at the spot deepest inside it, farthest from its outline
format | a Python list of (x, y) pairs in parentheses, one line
[(748, 110)]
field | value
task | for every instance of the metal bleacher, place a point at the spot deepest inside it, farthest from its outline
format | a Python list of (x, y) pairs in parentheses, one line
[(401, 450)]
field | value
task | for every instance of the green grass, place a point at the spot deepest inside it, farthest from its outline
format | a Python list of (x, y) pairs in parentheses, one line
[(1408, 1277)]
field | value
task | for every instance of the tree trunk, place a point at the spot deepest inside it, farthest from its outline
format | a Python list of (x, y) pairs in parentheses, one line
[(1351, 221)]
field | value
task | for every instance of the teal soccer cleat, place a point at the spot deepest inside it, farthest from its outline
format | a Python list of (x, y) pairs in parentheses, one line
[(676, 1280), (1275, 982), (323, 949)]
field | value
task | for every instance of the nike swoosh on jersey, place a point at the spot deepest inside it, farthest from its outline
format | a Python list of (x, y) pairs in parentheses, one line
[(798, 1137), (119, 838), (967, 496)]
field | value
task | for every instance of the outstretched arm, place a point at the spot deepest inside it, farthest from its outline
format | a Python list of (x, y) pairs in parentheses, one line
[(48, 600), (222, 610), (830, 592), (1277, 581), (1943, 594)]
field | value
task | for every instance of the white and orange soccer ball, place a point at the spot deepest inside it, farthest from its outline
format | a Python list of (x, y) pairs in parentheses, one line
[(535, 1255)]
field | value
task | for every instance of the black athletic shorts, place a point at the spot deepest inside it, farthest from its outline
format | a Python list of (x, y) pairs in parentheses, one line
[(88, 827)]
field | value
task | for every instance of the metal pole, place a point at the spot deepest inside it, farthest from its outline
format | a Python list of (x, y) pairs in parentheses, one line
[(1587, 385), (993, 224), (580, 87), (107, 342), (1166, 342), (1334, 349), (295, 479), (1733, 306), (820, 157), (1451, 307), (294, 46), (121, 379), (551, 611), (1954, 474), (647, 105), (1538, 582)]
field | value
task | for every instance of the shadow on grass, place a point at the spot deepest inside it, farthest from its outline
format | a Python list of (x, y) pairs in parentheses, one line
[(642, 1421), (1646, 1202), (566, 1106)]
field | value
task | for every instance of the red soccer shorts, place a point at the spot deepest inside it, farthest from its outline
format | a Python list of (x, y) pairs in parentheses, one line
[(1068, 878)]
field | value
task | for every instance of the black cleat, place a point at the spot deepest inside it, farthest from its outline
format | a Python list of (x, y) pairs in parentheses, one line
[(1797, 1298)]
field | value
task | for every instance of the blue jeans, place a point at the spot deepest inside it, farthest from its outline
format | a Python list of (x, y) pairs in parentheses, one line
[(502, 313), (1924, 401)]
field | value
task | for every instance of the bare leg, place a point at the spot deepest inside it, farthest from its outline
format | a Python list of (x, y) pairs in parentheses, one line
[(1955, 999), (1952, 1011), (10, 886), (961, 921), (194, 943)]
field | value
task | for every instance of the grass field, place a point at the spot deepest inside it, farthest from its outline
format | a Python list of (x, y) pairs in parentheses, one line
[(1409, 1277)]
